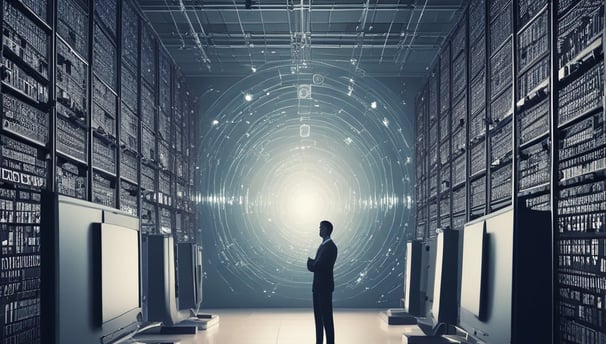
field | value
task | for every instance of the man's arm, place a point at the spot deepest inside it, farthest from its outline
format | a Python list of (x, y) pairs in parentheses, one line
[(310, 264), (326, 257)]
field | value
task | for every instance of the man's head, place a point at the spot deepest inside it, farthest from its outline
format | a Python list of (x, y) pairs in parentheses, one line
[(325, 229)]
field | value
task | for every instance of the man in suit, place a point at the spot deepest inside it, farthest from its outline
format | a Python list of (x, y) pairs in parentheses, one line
[(324, 284)]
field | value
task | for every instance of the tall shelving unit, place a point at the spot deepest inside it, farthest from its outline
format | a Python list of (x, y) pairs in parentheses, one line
[(580, 162), (421, 166), (27, 143), (94, 108), (534, 80)]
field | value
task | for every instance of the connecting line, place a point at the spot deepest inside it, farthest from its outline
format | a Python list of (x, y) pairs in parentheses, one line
[(364, 16), (402, 42), (414, 34), (204, 33), (387, 37), (246, 37), (292, 31), (302, 17), (306, 32), (300, 49), (199, 45), (360, 37), (300, 35), (176, 27), (264, 34)]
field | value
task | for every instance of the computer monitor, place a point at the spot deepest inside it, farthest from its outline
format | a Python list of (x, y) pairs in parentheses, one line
[(430, 270), (89, 288), (472, 280), (118, 270), (161, 303), (486, 281), (189, 275), (414, 292), (515, 283), (444, 305)]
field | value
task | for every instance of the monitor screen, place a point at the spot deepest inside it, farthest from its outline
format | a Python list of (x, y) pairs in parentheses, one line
[(199, 275), (408, 272), (472, 268), (119, 270), (90, 255), (487, 290), (444, 294), (189, 262), (159, 267), (414, 280), (437, 281)]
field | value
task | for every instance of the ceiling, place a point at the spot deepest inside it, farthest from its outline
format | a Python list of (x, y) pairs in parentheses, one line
[(378, 38)]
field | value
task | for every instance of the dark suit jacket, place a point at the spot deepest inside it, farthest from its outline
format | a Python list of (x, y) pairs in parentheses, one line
[(322, 267)]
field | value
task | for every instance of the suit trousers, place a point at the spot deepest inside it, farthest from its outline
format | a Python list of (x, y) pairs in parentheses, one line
[(323, 317)]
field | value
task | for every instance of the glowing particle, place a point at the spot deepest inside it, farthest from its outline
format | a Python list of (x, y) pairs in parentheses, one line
[(385, 122)]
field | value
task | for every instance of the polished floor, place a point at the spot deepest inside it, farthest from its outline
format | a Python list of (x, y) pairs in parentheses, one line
[(282, 326)]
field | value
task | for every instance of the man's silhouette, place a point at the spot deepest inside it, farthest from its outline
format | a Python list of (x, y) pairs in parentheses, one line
[(324, 284)]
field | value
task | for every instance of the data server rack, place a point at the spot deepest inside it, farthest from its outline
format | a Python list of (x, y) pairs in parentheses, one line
[(421, 166), (477, 119), (93, 108), (26, 74), (536, 134), (579, 165)]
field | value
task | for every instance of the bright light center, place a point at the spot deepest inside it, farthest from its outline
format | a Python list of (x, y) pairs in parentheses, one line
[(302, 201), (304, 204)]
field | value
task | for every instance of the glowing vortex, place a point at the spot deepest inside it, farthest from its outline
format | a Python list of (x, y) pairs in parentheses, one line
[(276, 165)]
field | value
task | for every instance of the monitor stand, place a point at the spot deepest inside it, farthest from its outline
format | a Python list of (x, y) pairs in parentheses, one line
[(443, 333), (418, 339), (202, 321), (179, 329), (168, 329), (398, 316)]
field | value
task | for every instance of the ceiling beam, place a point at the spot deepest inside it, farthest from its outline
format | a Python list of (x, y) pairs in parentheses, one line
[(319, 35), (315, 7), (243, 73), (429, 46)]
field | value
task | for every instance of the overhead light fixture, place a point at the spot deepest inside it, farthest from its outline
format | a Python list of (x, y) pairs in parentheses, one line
[(248, 97), (253, 68), (373, 105)]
